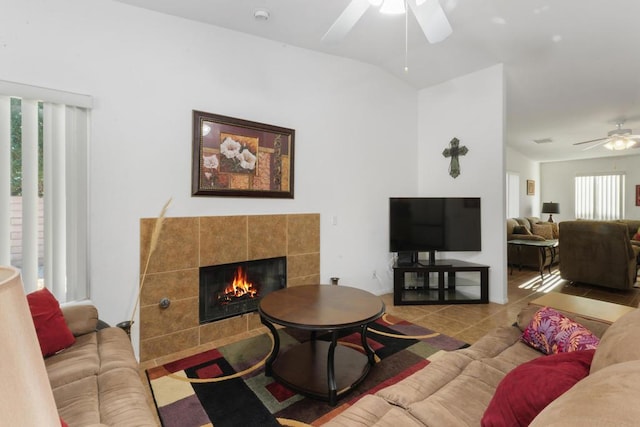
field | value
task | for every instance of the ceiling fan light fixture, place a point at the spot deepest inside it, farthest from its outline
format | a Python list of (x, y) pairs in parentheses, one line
[(392, 7), (620, 143)]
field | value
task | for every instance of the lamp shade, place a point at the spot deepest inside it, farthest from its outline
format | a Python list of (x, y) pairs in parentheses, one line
[(551, 208), (26, 398)]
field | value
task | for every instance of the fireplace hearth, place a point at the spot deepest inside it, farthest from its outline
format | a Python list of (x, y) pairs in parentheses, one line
[(233, 289)]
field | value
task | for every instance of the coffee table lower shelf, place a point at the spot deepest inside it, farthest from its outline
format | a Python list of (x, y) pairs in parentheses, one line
[(303, 368)]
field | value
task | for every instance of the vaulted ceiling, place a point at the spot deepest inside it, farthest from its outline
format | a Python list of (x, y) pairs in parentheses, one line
[(572, 66)]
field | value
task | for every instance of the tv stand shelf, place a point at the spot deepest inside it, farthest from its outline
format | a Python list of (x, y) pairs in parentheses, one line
[(424, 283)]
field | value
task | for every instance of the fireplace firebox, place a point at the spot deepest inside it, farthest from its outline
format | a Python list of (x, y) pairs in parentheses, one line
[(228, 290)]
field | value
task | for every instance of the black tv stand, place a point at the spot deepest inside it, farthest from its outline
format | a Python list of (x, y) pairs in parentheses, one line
[(465, 283)]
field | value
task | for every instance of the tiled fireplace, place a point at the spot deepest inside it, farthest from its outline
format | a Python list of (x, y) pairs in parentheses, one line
[(187, 244)]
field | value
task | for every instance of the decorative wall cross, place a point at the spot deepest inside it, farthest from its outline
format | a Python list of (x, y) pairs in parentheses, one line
[(454, 151)]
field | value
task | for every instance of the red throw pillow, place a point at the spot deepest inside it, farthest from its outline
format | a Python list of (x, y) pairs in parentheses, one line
[(52, 330), (525, 391)]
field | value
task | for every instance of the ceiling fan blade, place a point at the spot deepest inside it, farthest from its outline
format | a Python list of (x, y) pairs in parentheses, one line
[(347, 19), (432, 19), (592, 140), (599, 144)]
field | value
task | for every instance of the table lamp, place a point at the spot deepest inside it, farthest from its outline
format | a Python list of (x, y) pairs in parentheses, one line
[(550, 208), (26, 398)]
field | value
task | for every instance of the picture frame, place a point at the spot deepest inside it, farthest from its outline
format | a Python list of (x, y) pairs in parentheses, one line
[(637, 195), (240, 158), (531, 187)]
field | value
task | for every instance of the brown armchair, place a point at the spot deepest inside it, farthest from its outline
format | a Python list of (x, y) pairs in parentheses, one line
[(526, 229), (598, 253)]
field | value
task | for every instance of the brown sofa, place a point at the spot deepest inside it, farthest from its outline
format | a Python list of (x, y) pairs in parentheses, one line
[(530, 256), (599, 252), (96, 381), (456, 388)]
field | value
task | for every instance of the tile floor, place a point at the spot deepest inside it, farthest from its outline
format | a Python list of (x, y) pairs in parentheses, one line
[(467, 322)]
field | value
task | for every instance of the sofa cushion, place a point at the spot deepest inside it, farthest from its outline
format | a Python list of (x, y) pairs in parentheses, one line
[(115, 350), (52, 330), (78, 403), (552, 332), (530, 387), (122, 397), (620, 343), (543, 230), (463, 400), (603, 398), (372, 410), (433, 394), (81, 318), (521, 229), (450, 365), (79, 361)]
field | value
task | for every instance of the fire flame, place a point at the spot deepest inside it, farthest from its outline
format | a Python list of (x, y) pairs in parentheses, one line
[(240, 286)]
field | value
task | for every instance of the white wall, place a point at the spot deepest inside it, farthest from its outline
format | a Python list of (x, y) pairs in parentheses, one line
[(148, 71), (526, 169), (472, 109), (558, 182)]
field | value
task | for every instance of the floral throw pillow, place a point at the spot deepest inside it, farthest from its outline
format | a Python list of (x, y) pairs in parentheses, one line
[(552, 332)]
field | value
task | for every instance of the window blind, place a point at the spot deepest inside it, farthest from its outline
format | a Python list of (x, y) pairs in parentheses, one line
[(46, 212), (600, 197)]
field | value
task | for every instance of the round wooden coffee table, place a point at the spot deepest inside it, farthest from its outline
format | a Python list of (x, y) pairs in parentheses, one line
[(320, 369)]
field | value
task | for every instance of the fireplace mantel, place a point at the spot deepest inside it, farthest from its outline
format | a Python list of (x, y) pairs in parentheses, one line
[(188, 243)]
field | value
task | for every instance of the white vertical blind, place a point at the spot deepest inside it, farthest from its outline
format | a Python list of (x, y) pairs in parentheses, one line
[(5, 177), (64, 235), (600, 197), (55, 271), (30, 194), (77, 188)]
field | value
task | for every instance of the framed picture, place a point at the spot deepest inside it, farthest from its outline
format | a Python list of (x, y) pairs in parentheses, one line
[(531, 187), (239, 158), (637, 195)]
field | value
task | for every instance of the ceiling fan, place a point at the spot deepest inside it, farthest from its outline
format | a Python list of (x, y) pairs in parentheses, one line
[(617, 139), (428, 13)]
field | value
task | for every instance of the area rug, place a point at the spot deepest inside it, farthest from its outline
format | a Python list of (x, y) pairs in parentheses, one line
[(226, 386)]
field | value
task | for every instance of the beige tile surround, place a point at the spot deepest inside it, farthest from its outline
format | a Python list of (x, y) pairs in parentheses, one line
[(186, 244)]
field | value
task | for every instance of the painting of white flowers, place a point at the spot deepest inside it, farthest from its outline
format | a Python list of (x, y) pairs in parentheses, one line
[(235, 157)]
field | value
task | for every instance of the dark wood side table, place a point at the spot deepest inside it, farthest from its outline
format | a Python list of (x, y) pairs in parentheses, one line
[(319, 369), (542, 245)]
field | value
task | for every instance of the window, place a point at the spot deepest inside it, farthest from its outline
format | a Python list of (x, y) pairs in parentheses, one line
[(513, 195), (44, 136), (600, 196)]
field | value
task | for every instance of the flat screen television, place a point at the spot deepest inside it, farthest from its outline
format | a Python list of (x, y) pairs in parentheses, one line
[(430, 224)]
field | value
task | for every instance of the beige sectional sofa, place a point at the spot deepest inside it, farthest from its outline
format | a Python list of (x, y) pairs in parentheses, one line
[(530, 228), (96, 381), (456, 388)]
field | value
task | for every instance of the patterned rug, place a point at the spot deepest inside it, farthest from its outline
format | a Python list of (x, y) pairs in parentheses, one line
[(226, 386)]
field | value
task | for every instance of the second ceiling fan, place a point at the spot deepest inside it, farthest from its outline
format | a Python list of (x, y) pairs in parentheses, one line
[(617, 139), (429, 14)]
